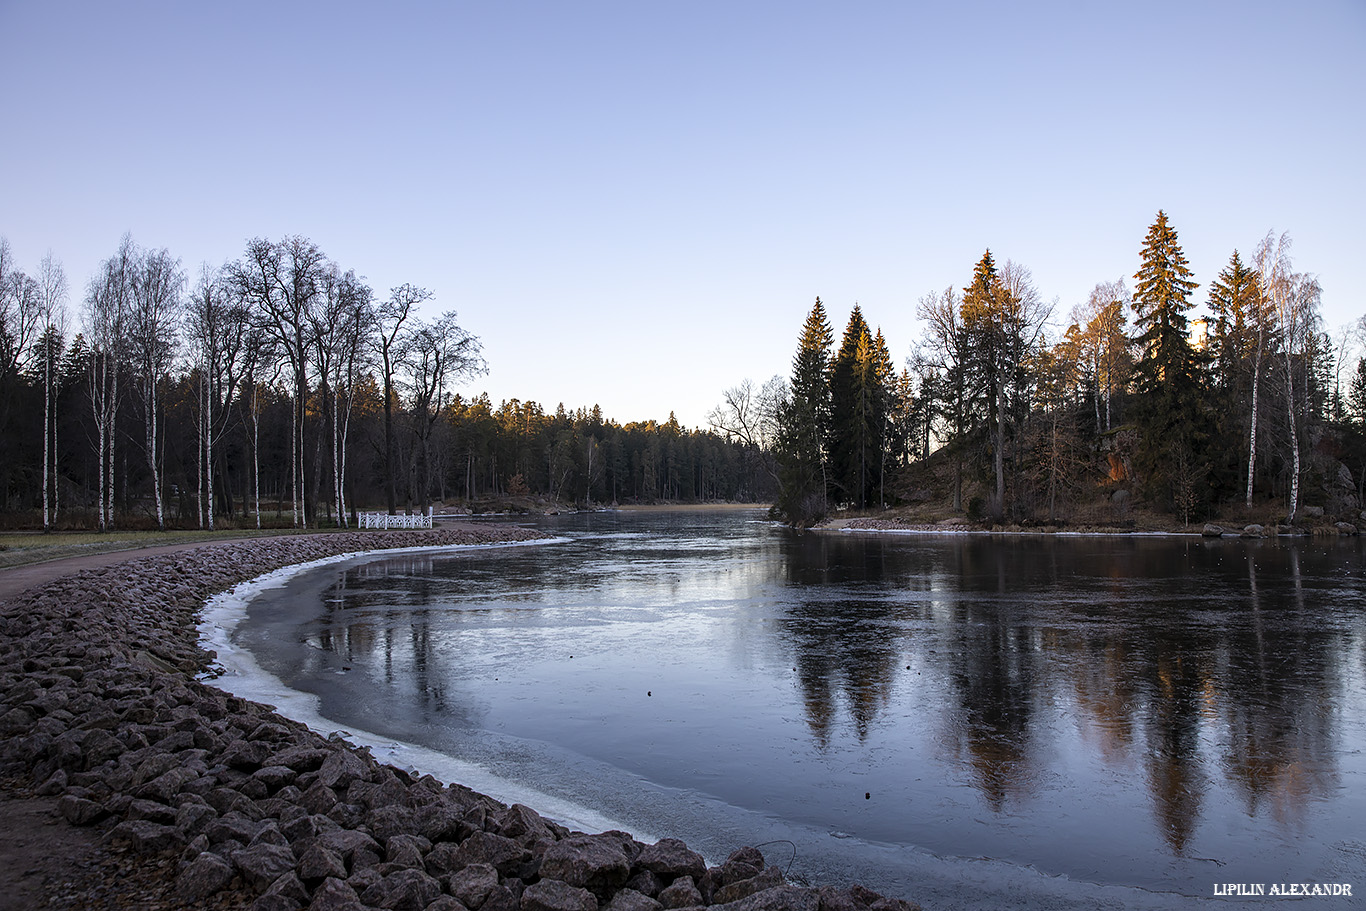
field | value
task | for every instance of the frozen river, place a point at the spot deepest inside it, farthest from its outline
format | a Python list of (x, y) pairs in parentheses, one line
[(1048, 722)]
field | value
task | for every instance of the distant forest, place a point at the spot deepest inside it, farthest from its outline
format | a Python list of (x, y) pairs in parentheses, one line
[(1255, 409), (281, 388)]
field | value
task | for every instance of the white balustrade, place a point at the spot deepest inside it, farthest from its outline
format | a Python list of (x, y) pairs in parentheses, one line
[(386, 521)]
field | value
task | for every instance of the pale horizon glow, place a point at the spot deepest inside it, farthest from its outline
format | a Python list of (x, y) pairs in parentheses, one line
[(635, 205)]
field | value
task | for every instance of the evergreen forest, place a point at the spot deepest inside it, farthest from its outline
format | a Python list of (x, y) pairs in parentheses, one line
[(1009, 412)]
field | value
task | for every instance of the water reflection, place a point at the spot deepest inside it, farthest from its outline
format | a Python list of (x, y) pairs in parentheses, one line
[(1190, 666), (1055, 685)]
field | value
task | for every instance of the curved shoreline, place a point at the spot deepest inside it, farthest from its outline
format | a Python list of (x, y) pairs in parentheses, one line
[(100, 707)]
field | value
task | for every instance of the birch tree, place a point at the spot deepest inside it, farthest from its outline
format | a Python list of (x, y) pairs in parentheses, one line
[(153, 322), (52, 291), (109, 298), (218, 328), (1294, 300)]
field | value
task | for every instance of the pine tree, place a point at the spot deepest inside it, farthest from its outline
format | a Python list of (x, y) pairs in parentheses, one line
[(803, 424), (1171, 413)]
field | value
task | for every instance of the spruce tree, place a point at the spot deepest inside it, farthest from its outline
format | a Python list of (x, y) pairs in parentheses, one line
[(1170, 412), (1238, 347), (987, 310), (803, 427), (850, 411)]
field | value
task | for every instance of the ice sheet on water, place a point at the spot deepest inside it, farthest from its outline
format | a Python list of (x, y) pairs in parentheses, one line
[(238, 673)]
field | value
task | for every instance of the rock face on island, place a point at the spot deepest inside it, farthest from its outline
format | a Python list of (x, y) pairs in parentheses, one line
[(99, 707)]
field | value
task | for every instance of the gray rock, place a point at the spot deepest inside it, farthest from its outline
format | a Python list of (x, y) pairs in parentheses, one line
[(405, 890), (341, 768), (780, 898), (301, 758), (1312, 512), (167, 785), (645, 882), (681, 893), (670, 857), (79, 811), (595, 862), (245, 754), (274, 901), (893, 904), (496, 851), (348, 843), (275, 777), (631, 900), (56, 783), (406, 850), (154, 812), (502, 899), (523, 825), (833, 899), (446, 903), (261, 865), (290, 888), (335, 895), (1253, 531), (319, 862), (206, 874), (232, 825), (473, 884), (734, 891), (557, 895), (148, 837), (1212, 531), (192, 818), (386, 822), (1346, 528)]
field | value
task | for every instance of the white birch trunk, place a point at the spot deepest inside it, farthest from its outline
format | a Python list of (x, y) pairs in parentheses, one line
[(1252, 434)]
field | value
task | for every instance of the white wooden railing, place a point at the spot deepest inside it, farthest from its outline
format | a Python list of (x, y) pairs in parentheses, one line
[(384, 520)]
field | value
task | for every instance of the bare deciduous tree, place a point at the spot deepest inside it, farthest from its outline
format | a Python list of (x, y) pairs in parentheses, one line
[(52, 290), (1294, 301), (438, 355), (389, 343), (109, 297), (153, 322)]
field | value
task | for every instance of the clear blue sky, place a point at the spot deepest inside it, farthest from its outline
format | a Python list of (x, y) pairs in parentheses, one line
[(634, 204)]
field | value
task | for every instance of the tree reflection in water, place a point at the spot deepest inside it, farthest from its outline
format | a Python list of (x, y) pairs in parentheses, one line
[(1187, 669)]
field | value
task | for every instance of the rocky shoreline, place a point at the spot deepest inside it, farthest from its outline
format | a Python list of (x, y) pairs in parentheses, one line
[(100, 709)]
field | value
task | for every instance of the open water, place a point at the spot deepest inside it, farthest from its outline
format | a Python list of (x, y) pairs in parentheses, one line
[(964, 720)]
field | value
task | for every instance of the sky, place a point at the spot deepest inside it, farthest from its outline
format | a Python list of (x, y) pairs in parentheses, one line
[(635, 204)]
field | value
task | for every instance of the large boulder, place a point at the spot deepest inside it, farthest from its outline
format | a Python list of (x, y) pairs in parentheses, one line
[(670, 858), (595, 862), (557, 895)]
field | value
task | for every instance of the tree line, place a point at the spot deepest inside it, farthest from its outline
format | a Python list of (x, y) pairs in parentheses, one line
[(1015, 421), (281, 383)]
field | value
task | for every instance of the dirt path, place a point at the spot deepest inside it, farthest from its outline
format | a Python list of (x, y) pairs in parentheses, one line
[(44, 861), (15, 579)]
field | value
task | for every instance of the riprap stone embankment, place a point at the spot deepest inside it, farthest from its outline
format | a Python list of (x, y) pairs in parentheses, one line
[(100, 708)]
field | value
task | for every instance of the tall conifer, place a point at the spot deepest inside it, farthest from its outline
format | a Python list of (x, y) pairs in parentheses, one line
[(1171, 412), (850, 410), (803, 426)]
